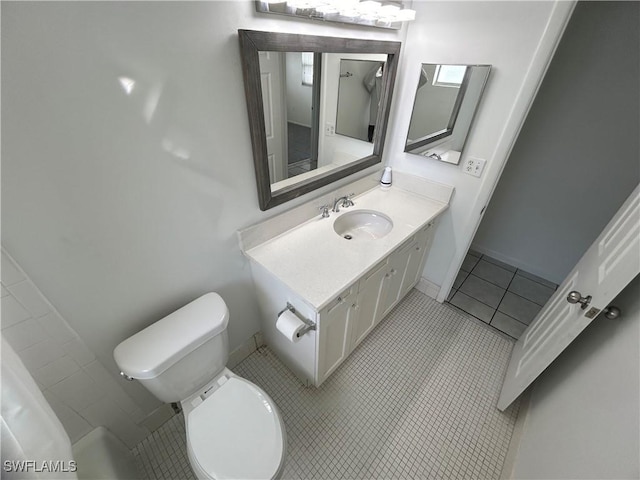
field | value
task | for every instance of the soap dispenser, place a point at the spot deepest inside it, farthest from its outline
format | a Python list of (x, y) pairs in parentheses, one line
[(385, 180)]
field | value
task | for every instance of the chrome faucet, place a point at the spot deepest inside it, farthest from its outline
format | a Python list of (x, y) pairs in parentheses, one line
[(325, 211), (346, 202)]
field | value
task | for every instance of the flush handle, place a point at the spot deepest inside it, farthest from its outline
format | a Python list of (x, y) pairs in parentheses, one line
[(576, 297)]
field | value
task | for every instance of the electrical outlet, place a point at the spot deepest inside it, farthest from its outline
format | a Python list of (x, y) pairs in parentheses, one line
[(474, 166), (330, 129)]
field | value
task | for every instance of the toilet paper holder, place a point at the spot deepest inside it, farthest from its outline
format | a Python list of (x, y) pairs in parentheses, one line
[(309, 324)]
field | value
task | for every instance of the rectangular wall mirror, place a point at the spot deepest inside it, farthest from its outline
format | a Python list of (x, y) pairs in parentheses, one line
[(311, 123), (446, 100)]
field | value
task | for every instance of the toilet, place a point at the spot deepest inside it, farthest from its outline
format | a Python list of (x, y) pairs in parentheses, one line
[(234, 430)]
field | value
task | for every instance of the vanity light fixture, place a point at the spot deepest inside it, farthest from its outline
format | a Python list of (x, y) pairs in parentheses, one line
[(384, 14)]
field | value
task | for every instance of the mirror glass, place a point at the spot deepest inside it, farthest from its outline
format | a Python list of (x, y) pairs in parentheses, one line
[(290, 83), (318, 108), (446, 100)]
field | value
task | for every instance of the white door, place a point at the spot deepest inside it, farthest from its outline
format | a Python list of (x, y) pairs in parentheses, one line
[(273, 101), (609, 264)]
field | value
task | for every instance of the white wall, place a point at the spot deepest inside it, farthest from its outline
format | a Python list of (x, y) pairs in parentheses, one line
[(583, 419), (517, 38), (299, 96), (123, 207), (576, 150)]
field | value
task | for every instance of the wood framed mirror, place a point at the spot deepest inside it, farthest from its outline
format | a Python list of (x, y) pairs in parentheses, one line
[(292, 83)]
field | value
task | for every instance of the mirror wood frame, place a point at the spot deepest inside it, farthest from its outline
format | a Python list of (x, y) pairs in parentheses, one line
[(251, 43)]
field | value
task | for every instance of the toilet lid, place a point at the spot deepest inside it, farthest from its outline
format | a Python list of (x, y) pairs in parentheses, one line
[(236, 432)]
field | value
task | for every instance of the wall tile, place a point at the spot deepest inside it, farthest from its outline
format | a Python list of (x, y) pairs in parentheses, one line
[(67, 372), (79, 352), (57, 328), (55, 371), (75, 426), (100, 375), (24, 334), (40, 354), (78, 391), (10, 273), (30, 298), (12, 311), (105, 412)]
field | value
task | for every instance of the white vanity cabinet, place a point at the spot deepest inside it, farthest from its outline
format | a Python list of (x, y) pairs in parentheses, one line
[(303, 262), (334, 331), (351, 316)]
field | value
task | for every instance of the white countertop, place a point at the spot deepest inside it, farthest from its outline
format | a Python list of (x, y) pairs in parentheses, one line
[(318, 264)]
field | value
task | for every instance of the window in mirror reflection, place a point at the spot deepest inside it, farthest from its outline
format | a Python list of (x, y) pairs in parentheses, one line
[(307, 68), (449, 75)]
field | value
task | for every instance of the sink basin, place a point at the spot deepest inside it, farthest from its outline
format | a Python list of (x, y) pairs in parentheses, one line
[(362, 225)]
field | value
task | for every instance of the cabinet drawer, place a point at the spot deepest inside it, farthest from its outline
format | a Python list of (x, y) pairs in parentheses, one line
[(345, 296)]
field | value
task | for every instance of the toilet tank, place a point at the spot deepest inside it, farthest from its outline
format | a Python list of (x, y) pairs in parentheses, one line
[(181, 353)]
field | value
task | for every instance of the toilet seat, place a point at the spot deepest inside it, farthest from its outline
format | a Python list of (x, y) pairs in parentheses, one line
[(236, 433)]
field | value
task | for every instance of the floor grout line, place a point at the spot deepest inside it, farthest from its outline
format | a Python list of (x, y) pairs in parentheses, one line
[(415, 399), (506, 289)]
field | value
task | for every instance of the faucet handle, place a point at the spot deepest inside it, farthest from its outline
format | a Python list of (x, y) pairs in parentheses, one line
[(325, 211), (347, 202)]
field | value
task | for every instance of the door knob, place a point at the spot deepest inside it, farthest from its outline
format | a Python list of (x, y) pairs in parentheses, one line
[(612, 312), (576, 297)]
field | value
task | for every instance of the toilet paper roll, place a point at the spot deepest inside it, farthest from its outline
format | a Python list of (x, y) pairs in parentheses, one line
[(289, 325)]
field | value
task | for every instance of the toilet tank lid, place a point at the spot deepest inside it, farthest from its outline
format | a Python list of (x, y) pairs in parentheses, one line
[(153, 350)]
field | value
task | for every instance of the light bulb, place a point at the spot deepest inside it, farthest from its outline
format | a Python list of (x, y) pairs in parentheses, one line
[(406, 15)]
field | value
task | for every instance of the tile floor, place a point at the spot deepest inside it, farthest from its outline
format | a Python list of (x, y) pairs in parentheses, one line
[(503, 296), (299, 153), (415, 400)]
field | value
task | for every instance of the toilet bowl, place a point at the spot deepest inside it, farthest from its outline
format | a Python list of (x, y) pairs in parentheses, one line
[(236, 413), (234, 429)]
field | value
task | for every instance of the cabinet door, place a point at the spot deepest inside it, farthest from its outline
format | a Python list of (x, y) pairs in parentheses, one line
[(368, 304), (417, 257), (393, 281), (334, 334)]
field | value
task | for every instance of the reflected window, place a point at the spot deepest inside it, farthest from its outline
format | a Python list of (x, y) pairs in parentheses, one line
[(449, 75), (307, 68)]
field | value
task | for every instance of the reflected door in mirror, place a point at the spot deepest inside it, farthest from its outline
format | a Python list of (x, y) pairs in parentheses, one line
[(290, 85)]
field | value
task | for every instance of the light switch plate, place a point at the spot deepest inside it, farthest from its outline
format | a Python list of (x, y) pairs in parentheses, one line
[(329, 129), (474, 166)]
